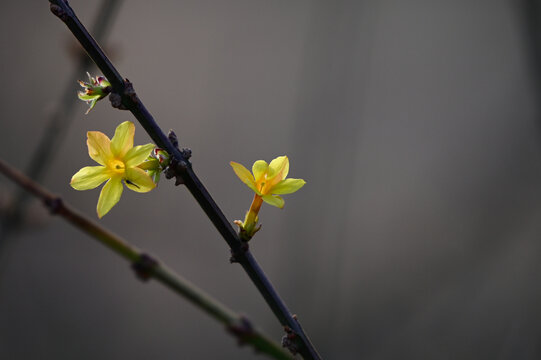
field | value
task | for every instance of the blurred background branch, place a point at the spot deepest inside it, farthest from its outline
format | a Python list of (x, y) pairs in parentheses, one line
[(57, 125), (146, 267)]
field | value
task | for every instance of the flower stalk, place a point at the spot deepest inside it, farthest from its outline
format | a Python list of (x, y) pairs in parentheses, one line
[(252, 216)]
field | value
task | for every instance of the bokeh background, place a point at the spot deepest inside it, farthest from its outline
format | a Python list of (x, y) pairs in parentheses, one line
[(417, 125)]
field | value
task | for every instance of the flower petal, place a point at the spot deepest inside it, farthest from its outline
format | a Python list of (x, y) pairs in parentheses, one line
[(287, 186), (99, 147), (150, 164), (90, 78), (155, 176), (91, 103), (138, 180), (259, 169), (89, 177), (122, 141), (274, 200), (244, 175), (86, 97), (279, 168), (109, 196), (137, 155)]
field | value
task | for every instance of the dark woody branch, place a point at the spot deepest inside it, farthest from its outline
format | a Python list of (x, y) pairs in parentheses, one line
[(124, 97)]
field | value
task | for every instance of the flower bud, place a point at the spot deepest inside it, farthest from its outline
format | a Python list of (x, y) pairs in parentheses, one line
[(162, 156), (94, 90)]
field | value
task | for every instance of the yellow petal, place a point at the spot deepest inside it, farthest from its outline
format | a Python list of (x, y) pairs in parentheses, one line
[(287, 186), (89, 177), (122, 141), (99, 147), (110, 195), (138, 180), (274, 200), (137, 155), (278, 167), (259, 169), (244, 175)]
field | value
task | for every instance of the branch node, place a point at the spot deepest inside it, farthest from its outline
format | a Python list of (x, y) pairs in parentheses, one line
[(242, 329), (173, 138), (288, 340), (238, 252), (144, 267), (59, 12), (186, 153), (175, 169), (128, 92), (116, 101), (54, 204)]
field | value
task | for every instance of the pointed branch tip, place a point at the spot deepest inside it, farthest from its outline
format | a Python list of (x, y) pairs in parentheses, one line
[(236, 254)]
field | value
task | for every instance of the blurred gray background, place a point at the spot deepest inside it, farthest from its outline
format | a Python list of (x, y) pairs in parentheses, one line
[(415, 123)]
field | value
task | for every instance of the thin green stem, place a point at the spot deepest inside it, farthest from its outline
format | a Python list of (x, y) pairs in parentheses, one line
[(236, 324), (299, 341)]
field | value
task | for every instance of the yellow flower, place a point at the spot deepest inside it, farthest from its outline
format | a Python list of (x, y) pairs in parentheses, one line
[(268, 181), (119, 160)]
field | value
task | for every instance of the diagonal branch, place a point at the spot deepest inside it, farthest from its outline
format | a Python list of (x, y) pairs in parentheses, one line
[(124, 97), (146, 267)]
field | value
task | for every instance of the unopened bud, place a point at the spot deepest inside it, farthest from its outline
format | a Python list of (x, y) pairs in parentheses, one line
[(94, 90)]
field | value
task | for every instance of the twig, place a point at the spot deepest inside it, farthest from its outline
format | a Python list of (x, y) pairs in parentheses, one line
[(58, 123), (146, 267), (124, 97)]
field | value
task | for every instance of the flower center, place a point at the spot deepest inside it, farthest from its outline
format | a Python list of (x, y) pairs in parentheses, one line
[(116, 166)]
